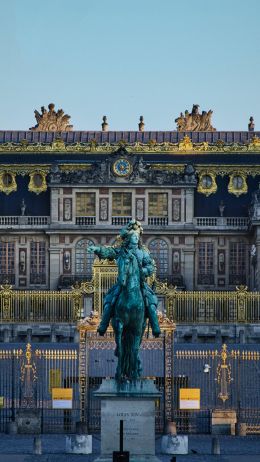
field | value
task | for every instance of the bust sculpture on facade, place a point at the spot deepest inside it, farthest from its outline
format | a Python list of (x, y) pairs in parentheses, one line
[(194, 121), (51, 120)]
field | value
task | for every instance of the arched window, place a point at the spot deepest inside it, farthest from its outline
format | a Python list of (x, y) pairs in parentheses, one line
[(84, 260), (160, 253)]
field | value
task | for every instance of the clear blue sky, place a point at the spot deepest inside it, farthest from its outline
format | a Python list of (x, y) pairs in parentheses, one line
[(129, 58)]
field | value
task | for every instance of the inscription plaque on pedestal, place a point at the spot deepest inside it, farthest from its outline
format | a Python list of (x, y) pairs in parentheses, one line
[(134, 403)]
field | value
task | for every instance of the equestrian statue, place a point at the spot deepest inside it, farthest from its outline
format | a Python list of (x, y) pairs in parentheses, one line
[(131, 301)]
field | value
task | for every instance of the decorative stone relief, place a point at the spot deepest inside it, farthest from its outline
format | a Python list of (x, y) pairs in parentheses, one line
[(140, 209), (51, 120), (103, 209), (194, 121)]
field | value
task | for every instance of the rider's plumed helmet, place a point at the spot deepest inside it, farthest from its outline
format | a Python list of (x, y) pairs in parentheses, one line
[(133, 226)]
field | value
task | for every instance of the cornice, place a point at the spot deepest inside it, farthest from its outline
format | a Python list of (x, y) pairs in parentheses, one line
[(185, 146)]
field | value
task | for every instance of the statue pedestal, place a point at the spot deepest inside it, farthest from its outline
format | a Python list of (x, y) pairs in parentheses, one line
[(134, 403), (223, 422)]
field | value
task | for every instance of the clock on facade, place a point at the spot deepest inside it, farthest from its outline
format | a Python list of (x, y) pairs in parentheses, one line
[(122, 167)]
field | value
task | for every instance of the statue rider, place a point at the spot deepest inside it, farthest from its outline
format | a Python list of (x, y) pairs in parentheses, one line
[(130, 248)]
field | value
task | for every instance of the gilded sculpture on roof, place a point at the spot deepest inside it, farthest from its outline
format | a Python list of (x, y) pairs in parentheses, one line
[(51, 120), (194, 121)]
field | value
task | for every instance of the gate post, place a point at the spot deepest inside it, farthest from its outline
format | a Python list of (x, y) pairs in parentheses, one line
[(86, 327), (167, 327)]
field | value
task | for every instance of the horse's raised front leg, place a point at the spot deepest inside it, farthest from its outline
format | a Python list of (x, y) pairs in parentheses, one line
[(118, 329)]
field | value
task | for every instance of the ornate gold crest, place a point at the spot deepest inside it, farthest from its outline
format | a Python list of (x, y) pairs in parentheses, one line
[(37, 183), (237, 183), (185, 144), (7, 182), (207, 183)]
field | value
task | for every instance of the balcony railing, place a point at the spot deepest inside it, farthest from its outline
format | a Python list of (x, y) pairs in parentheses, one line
[(85, 221), (24, 221), (118, 221), (158, 221), (222, 222)]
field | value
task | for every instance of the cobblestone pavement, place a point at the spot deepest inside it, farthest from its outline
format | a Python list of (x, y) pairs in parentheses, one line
[(233, 449)]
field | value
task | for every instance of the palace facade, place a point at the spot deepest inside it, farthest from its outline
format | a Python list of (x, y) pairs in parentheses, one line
[(196, 194)]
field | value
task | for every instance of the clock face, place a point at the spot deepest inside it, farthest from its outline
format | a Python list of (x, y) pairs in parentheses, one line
[(207, 181), (122, 167)]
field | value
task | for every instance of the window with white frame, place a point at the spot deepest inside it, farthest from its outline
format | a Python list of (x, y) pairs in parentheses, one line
[(206, 263), (7, 262), (84, 260), (38, 262), (159, 251), (237, 262)]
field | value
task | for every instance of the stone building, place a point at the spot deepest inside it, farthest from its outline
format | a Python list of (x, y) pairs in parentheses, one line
[(195, 192)]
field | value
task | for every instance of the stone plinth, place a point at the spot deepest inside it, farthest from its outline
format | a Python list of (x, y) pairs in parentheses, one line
[(28, 421), (223, 422), (174, 444), (134, 403), (79, 444)]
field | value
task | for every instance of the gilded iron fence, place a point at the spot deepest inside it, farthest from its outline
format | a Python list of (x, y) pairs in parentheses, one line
[(48, 367), (38, 306), (211, 307), (183, 307)]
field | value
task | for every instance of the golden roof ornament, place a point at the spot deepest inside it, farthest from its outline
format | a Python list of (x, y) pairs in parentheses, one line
[(51, 120), (194, 121)]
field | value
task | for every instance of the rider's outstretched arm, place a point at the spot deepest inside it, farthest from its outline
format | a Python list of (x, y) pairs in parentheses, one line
[(103, 252)]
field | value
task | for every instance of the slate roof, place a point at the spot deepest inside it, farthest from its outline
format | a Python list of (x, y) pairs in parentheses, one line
[(16, 136)]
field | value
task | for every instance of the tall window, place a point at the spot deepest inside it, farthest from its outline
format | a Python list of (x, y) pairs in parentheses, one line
[(38, 263), (160, 253), (206, 263), (158, 205), (84, 260), (7, 260), (85, 204), (237, 263), (121, 204)]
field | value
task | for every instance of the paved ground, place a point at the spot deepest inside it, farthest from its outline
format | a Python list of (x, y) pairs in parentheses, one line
[(233, 449)]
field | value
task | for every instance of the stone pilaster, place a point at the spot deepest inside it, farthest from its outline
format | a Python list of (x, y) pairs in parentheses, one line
[(257, 266), (189, 268), (54, 262), (189, 205)]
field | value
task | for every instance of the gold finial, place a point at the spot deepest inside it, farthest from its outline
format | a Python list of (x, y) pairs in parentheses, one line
[(141, 124), (51, 120), (104, 124)]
